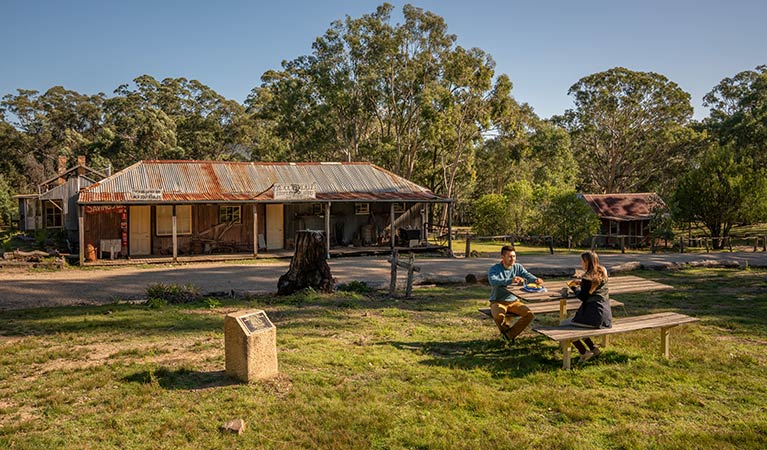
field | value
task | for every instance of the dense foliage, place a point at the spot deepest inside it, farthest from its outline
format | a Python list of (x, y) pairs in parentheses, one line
[(407, 97)]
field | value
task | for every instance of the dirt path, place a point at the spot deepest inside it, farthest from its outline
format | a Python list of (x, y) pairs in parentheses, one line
[(24, 289)]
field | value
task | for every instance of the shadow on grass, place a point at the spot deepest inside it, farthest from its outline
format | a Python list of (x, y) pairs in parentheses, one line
[(526, 356), (184, 379), (503, 360)]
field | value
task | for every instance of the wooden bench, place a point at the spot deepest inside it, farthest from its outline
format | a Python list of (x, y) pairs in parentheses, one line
[(565, 335), (554, 306)]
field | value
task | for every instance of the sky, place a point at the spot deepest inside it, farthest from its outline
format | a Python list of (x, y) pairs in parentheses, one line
[(545, 47)]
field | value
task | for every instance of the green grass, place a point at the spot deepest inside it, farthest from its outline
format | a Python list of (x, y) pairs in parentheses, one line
[(365, 371)]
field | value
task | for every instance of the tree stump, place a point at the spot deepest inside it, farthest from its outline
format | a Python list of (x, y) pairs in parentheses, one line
[(308, 267)]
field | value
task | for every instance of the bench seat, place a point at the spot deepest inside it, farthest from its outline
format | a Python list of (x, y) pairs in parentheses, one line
[(565, 335), (553, 306)]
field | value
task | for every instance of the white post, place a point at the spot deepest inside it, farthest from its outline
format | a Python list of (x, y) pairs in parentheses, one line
[(391, 216), (327, 230), (175, 236), (81, 231), (255, 229)]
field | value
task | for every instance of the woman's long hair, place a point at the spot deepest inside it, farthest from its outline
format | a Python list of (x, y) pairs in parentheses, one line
[(594, 272)]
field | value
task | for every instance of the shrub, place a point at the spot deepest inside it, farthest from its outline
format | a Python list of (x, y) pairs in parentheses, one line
[(491, 215), (173, 293), (355, 286)]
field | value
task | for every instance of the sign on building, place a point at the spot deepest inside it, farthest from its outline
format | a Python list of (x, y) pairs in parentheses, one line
[(145, 194), (295, 191)]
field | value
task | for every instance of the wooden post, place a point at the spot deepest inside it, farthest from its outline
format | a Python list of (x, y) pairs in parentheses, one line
[(705, 242), (327, 231), (468, 245), (551, 245), (681, 244), (410, 269), (391, 217), (393, 281), (605, 340), (729, 242), (450, 228), (593, 242), (566, 354), (562, 309), (665, 341), (756, 244), (623, 244), (424, 233), (764, 243), (652, 244), (255, 230), (569, 243), (175, 235), (81, 232)]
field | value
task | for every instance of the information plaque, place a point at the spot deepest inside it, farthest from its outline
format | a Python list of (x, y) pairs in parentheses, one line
[(250, 343)]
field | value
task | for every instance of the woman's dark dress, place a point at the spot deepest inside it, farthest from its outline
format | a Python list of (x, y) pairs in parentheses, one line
[(595, 310)]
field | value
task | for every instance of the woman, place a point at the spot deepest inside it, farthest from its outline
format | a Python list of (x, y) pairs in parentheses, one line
[(594, 311)]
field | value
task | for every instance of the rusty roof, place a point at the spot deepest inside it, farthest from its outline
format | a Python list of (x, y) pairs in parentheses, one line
[(223, 181), (624, 207)]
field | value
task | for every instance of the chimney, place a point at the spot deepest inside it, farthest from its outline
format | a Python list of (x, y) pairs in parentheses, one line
[(61, 169), (81, 165)]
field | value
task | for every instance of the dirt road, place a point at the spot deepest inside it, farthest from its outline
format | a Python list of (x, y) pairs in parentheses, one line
[(74, 286)]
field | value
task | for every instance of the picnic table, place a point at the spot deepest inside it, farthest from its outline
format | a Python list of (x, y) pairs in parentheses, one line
[(552, 299)]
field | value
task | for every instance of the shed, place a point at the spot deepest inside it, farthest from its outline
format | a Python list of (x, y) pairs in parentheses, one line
[(626, 215)]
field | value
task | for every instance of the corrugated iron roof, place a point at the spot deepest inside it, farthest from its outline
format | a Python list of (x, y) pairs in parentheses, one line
[(623, 207), (222, 181)]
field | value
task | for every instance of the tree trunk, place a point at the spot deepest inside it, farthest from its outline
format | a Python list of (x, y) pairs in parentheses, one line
[(308, 267)]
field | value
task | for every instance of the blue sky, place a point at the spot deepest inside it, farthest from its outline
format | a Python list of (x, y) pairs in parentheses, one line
[(545, 47)]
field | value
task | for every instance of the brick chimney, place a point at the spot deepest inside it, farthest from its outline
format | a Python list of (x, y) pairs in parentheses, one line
[(61, 169), (81, 165)]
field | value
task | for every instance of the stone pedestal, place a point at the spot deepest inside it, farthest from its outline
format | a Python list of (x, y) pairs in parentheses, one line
[(250, 342)]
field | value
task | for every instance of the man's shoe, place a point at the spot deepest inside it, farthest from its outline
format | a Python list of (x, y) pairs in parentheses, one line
[(585, 357)]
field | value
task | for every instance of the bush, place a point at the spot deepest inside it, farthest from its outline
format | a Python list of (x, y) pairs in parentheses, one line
[(491, 215), (172, 293), (359, 287), (566, 215)]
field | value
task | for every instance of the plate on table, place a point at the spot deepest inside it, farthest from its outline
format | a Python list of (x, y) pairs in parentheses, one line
[(533, 287)]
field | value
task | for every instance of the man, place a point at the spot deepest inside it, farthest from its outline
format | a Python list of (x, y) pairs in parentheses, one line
[(503, 304)]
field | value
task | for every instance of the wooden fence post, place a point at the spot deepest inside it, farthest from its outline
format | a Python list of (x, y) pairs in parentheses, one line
[(551, 245), (393, 281), (410, 269), (729, 241), (623, 244), (681, 244), (705, 242), (468, 245)]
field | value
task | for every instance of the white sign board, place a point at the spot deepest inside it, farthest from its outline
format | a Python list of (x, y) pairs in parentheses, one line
[(145, 194), (295, 191)]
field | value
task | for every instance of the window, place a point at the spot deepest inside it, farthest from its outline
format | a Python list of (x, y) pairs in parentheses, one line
[(164, 217), (614, 228), (53, 214), (399, 208), (362, 209), (229, 214), (318, 209)]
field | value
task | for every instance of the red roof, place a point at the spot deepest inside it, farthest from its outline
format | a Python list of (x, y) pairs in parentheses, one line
[(624, 207)]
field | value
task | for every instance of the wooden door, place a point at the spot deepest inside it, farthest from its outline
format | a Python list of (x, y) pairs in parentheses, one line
[(275, 229), (140, 228)]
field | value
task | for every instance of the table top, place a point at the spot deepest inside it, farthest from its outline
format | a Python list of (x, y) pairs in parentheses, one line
[(618, 285)]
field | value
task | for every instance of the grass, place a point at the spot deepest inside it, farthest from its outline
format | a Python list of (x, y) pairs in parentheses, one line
[(366, 371)]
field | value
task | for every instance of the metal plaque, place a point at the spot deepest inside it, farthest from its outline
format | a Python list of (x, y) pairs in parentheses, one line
[(256, 321)]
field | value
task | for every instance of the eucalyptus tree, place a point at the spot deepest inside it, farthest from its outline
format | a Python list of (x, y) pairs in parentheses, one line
[(738, 114), (59, 122), (202, 120), (630, 131)]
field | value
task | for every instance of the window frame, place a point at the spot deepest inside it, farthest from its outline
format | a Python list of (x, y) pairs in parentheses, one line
[(361, 209), (231, 208), (53, 209), (182, 218)]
